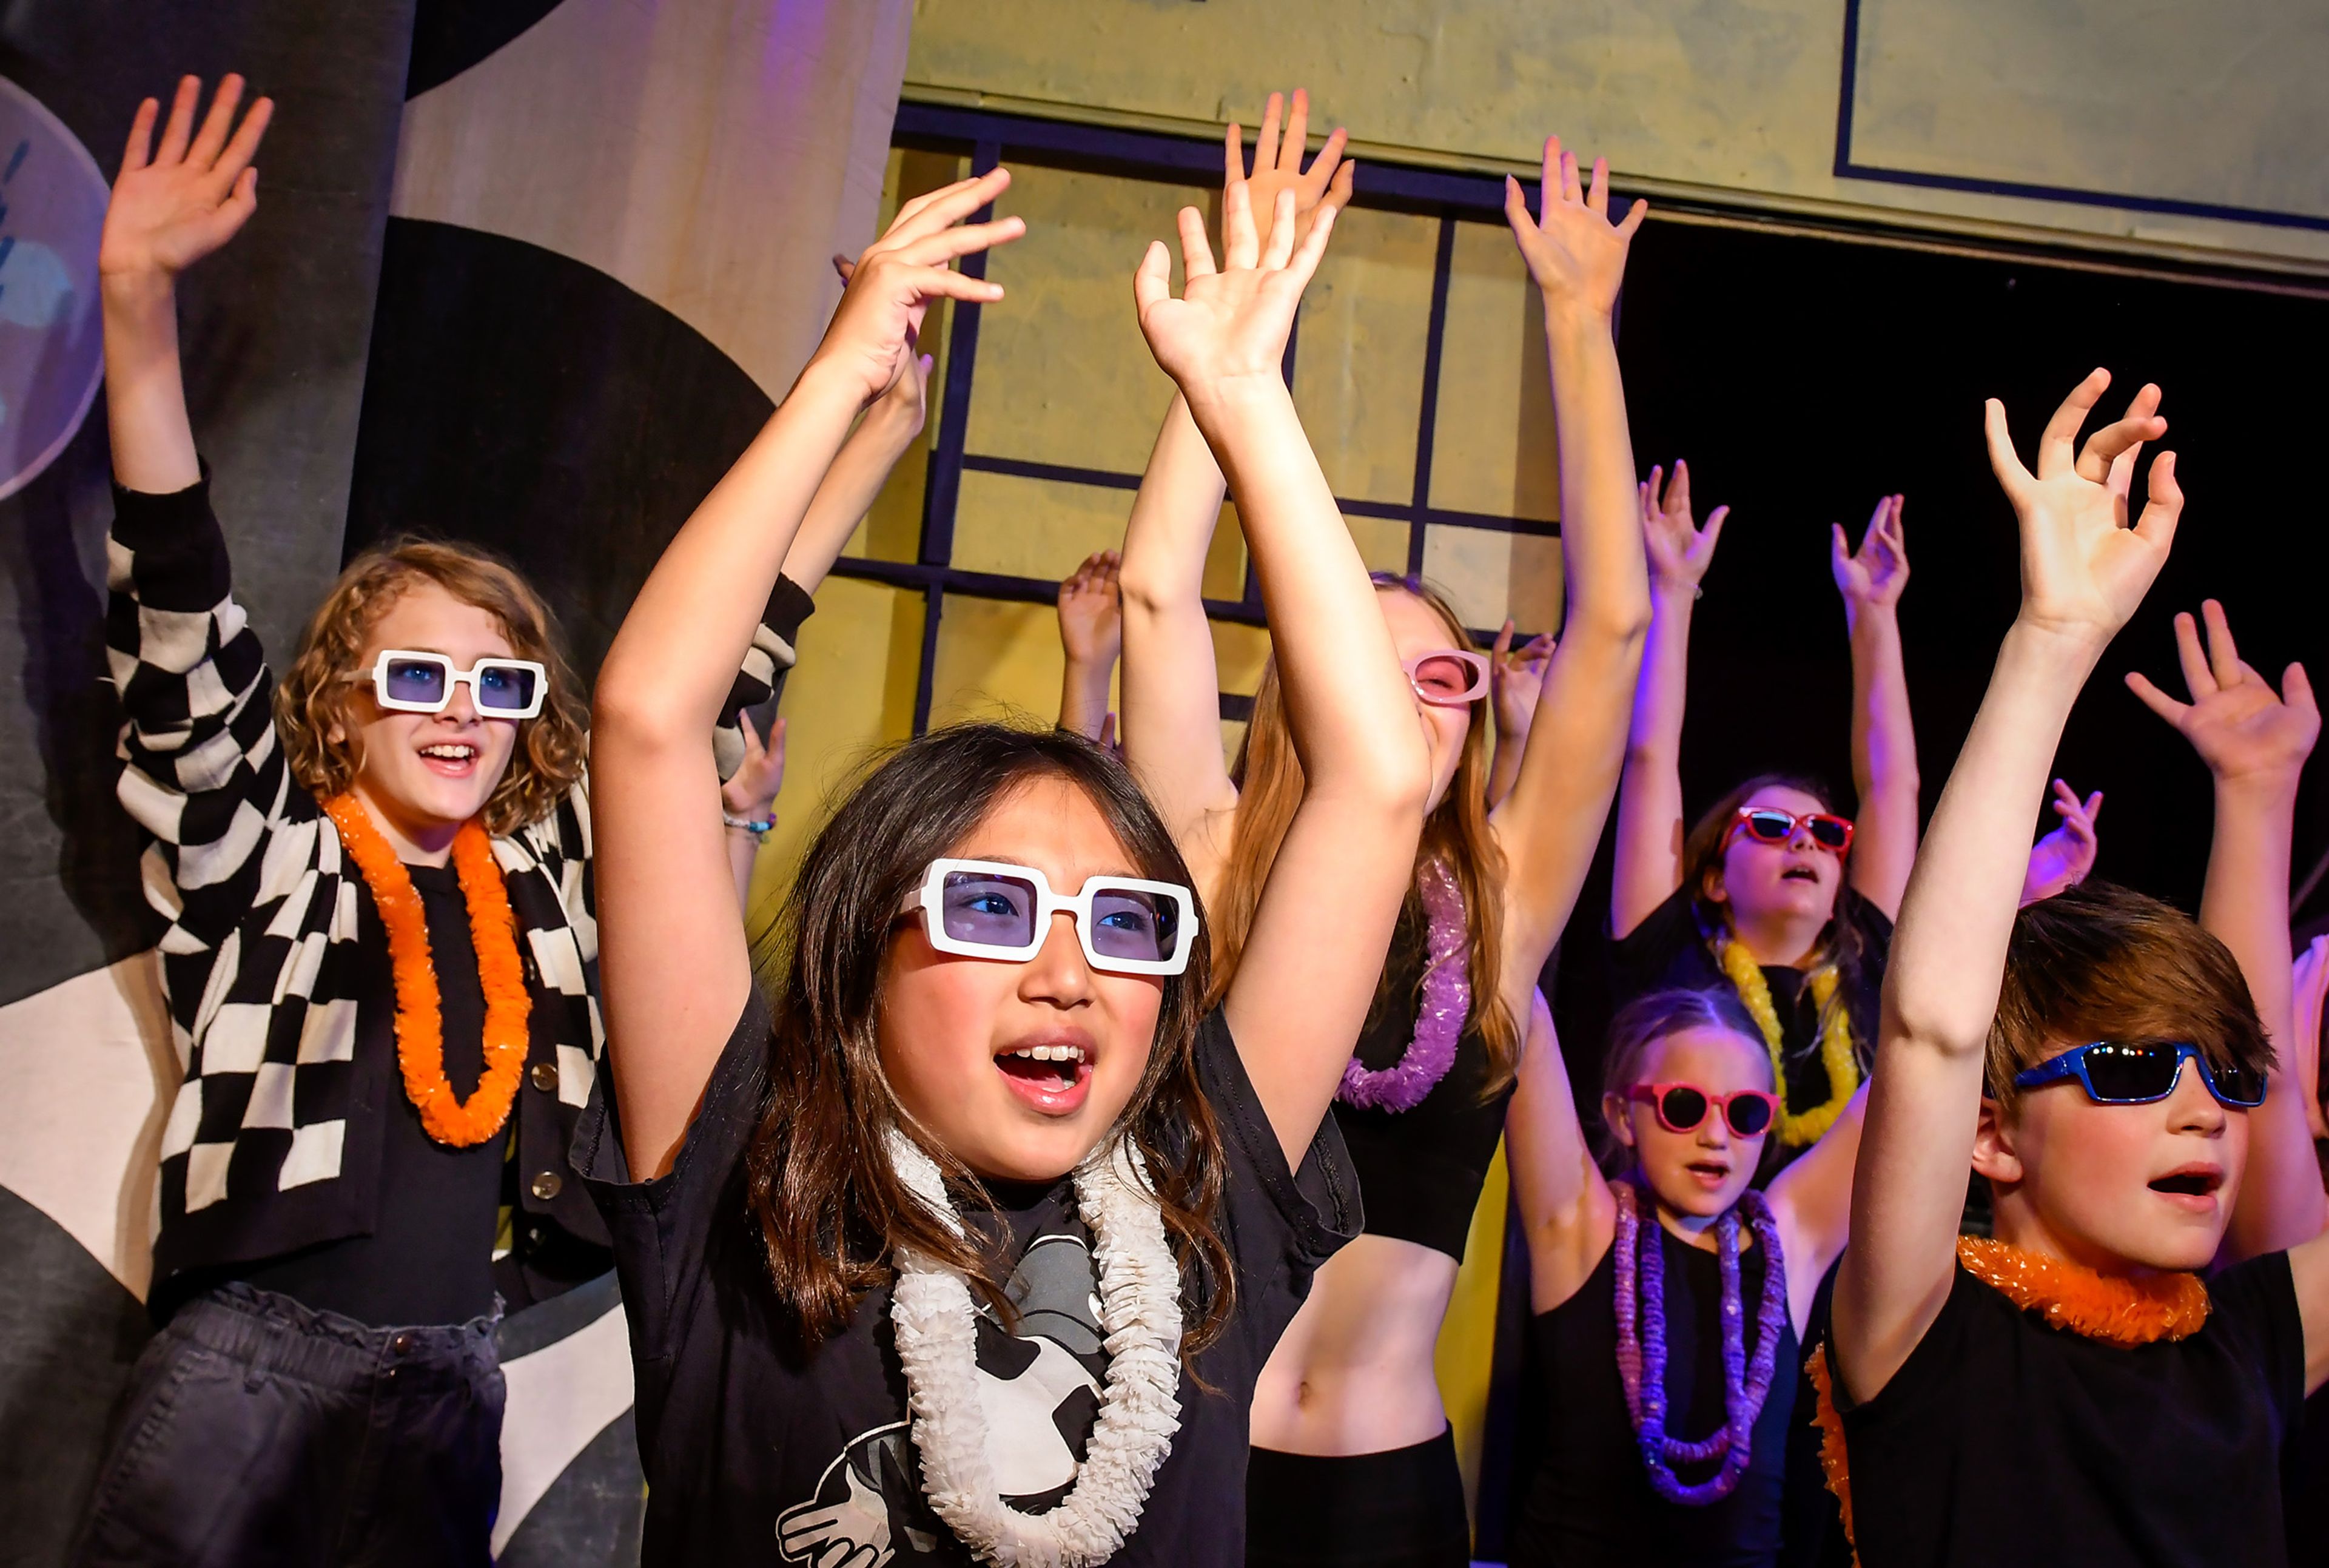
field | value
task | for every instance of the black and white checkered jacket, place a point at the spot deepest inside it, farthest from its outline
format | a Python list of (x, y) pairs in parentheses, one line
[(273, 1140)]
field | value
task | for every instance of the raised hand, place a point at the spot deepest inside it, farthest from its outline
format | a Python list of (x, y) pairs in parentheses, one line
[(752, 788), (2083, 569), (1680, 550), (2240, 727), (176, 204), (1278, 167), (1577, 255), (1092, 612), (907, 402), (1515, 681), (1230, 324), (870, 343), (2064, 857), (1875, 573)]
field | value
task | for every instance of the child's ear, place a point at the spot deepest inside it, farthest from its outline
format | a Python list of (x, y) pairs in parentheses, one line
[(1710, 885), (1621, 1126), (1993, 1154)]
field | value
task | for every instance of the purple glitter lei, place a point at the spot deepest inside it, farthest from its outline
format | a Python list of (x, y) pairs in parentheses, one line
[(1438, 1022), (1642, 1352)]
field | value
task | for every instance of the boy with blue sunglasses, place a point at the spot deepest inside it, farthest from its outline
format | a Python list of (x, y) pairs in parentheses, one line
[(2073, 1390)]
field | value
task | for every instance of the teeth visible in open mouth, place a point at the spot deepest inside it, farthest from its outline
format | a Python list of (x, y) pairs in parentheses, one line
[(1050, 1053), (449, 753)]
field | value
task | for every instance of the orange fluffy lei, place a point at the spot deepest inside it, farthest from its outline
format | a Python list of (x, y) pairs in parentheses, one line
[(419, 1005), (2122, 1312)]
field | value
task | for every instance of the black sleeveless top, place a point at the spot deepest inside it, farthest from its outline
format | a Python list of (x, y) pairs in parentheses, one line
[(1590, 1502), (1420, 1171)]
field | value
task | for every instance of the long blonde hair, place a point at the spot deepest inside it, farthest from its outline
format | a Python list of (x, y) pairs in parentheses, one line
[(1268, 776)]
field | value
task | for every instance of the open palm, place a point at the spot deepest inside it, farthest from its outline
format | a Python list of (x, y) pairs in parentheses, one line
[(174, 203), (1230, 324), (2241, 728), (1680, 550), (2083, 569), (1878, 571), (1278, 167), (1575, 254)]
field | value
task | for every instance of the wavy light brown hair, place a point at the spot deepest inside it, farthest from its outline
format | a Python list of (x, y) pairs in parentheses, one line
[(830, 1208), (1840, 943), (1641, 1024), (2100, 962), (1268, 776), (316, 693)]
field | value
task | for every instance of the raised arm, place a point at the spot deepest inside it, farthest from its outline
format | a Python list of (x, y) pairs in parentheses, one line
[(1550, 823), (2255, 744), (673, 959), (1566, 1211), (885, 434), (2083, 572), (2064, 858), (1170, 688), (1515, 681), (1648, 863), (172, 204), (1092, 636), (1883, 741), (1297, 1002), (747, 801)]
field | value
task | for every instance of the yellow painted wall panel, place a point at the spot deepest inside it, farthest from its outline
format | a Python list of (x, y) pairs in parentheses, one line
[(1238, 652), (1024, 527), (851, 691), (1381, 542), (1737, 103), (1063, 375), (1467, 1351), (996, 660), (1358, 360), (1492, 443), (1490, 574)]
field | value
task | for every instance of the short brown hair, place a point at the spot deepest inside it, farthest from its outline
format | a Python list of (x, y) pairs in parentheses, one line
[(314, 696), (2100, 962)]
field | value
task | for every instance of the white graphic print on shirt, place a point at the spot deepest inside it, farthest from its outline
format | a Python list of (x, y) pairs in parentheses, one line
[(1040, 1390)]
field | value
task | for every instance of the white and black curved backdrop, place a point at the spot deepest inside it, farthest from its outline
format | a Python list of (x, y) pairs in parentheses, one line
[(528, 272)]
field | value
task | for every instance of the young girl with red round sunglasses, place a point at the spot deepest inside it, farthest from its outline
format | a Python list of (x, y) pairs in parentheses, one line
[(1672, 1299), (1773, 895)]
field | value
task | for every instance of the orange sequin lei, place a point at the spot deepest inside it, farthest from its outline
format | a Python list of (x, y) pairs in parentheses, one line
[(2070, 1297), (419, 1005)]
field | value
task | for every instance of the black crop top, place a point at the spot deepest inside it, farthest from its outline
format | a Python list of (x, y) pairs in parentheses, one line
[(1420, 1171), (1590, 1502)]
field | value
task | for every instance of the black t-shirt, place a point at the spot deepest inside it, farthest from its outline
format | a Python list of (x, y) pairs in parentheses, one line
[(756, 1454), (1668, 951), (429, 1256), (1591, 1501), (2002, 1440)]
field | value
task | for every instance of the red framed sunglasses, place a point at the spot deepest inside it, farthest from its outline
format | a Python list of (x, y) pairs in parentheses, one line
[(1770, 825), (1684, 1107)]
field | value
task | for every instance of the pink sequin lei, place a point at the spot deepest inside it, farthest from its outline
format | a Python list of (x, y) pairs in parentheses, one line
[(1447, 1001)]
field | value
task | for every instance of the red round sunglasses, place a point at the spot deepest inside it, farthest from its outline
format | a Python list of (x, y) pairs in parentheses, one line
[(1684, 1107), (1772, 824)]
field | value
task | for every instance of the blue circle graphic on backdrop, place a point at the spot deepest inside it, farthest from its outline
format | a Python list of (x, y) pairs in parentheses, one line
[(52, 352)]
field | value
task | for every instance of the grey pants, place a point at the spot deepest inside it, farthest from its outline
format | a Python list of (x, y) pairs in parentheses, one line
[(258, 1432)]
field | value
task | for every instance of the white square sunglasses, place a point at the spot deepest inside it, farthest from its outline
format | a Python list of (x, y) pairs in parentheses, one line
[(407, 681), (991, 909)]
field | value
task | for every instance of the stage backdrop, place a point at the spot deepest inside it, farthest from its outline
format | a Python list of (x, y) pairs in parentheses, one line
[(608, 257)]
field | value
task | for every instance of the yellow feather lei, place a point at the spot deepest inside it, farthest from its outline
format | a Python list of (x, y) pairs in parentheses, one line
[(1797, 1127)]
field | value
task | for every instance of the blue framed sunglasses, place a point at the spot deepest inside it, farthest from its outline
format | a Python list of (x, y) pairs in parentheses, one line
[(2114, 1073)]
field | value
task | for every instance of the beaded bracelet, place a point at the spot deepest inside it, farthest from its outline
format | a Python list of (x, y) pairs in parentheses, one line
[(757, 826)]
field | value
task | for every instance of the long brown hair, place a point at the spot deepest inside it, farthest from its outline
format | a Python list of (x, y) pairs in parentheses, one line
[(1268, 776), (316, 694), (1839, 944), (830, 1207)]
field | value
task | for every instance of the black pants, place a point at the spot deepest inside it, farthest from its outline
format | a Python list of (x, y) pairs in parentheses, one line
[(1400, 1509), (258, 1432)]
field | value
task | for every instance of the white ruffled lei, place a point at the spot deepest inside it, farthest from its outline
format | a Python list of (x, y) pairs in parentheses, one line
[(937, 1333)]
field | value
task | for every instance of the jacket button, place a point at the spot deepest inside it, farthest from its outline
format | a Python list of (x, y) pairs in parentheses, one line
[(401, 1344), (544, 1076), (546, 1185)]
